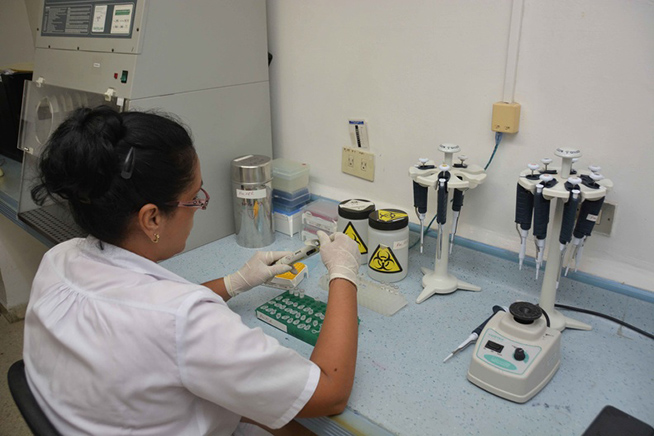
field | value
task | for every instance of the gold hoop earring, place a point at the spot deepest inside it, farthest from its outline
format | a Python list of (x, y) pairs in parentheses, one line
[(156, 238)]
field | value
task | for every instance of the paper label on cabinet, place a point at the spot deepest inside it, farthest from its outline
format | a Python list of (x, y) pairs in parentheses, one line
[(252, 193)]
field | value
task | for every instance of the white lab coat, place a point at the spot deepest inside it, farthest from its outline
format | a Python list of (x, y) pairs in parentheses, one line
[(116, 344)]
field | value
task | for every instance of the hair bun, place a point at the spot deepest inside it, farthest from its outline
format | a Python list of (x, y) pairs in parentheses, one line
[(83, 149)]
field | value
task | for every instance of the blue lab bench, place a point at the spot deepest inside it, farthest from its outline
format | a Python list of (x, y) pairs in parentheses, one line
[(402, 385)]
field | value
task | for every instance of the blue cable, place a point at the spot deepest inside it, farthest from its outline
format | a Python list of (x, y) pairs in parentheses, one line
[(498, 139)]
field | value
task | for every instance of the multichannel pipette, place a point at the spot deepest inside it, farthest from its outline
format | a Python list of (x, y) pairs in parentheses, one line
[(475, 333)]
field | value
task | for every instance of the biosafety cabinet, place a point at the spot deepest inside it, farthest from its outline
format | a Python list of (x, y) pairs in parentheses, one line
[(206, 61)]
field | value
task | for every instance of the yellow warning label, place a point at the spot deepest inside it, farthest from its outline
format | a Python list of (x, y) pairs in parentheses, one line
[(352, 233), (383, 260), (389, 215)]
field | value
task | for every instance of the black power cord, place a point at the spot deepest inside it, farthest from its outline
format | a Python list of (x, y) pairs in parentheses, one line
[(590, 312)]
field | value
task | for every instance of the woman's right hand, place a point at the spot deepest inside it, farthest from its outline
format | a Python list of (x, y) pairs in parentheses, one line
[(335, 352), (341, 256)]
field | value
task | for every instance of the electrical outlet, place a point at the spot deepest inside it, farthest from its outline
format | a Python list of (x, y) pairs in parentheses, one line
[(604, 223), (506, 117), (358, 163)]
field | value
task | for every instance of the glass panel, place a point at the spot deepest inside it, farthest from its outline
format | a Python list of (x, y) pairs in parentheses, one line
[(44, 108)]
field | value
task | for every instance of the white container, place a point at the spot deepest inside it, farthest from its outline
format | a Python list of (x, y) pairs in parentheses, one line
[(321, 214), (388, 241), (288, 223), (353, 221), (289, 176)]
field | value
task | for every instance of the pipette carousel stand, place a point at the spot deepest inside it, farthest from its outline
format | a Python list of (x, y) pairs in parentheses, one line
[(461, 177), (558, 195)]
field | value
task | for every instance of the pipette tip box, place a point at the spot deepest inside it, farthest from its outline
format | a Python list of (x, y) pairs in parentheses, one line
[(300, 316)]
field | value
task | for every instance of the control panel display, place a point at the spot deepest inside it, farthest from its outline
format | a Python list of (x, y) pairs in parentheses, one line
[(88, 18), (505, 353)]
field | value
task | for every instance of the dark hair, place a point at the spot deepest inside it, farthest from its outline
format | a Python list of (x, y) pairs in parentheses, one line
[(86, 162)]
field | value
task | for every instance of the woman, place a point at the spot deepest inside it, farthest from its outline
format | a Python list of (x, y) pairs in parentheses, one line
[(115, 344)]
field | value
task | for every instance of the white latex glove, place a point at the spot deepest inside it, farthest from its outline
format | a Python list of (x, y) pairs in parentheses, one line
[(340, 256), (256, 271)]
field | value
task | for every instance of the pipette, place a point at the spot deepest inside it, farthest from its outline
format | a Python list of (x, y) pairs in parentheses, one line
[(541, 220), (475, 333), (462, 164), (585, 223), (568, 220), (533, 167), (308, 250), (524, 208), (457, 203), (546, 161), (441, 211), (420, 199)]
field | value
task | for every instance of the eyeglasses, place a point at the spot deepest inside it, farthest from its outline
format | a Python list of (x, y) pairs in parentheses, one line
[(201, 203)]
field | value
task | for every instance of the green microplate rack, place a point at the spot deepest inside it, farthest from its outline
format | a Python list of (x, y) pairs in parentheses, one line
[(299, 316)]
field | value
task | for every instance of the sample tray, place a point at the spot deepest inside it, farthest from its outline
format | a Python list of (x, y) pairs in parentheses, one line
[(299, 316)]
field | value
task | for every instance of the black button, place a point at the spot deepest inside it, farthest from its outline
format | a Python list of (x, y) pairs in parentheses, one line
[(519, 354)]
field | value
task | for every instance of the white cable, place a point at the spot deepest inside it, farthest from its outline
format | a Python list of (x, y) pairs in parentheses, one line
[(512, 51)]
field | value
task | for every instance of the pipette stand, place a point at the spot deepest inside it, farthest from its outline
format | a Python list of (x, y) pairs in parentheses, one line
[(558, 196), (438, 280)]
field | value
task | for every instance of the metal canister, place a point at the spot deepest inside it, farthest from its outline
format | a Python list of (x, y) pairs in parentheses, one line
[(252, 193), (388, 241), (353, 221)]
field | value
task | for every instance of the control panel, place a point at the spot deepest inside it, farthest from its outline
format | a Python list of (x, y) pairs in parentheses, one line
[(505, 353)]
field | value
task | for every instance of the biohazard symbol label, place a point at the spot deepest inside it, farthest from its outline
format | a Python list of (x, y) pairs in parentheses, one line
[(389, 215), (352, 233), (384, 261)]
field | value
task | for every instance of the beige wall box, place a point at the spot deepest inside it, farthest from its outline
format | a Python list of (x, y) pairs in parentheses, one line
[(506, 117)]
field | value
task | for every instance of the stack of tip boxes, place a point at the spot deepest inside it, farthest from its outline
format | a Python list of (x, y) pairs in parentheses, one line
[(290, 194), (319, 215)]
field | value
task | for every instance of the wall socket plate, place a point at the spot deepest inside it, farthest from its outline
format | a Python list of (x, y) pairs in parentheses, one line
[(604, 223), (358, 163)]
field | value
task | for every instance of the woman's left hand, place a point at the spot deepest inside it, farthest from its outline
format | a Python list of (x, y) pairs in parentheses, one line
[(256, 271)]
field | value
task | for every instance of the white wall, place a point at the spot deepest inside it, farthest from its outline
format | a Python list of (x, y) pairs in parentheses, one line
[(427, 72)]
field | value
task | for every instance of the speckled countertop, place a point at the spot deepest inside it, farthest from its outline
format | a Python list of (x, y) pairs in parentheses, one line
[(402, 384)]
